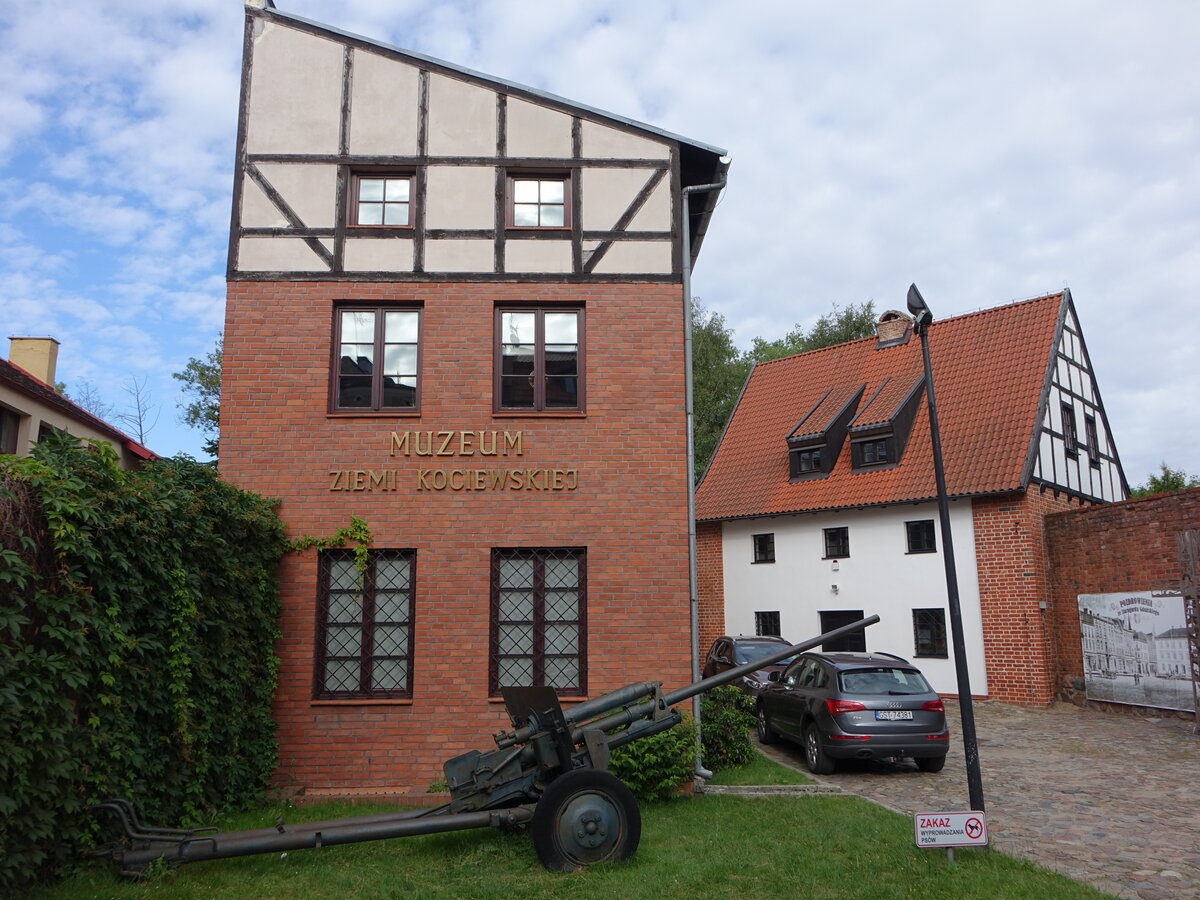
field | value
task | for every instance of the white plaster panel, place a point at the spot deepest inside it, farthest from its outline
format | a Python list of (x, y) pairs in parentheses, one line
[(378, 255), (257, 209), (310, 190), (607, 193), (537, 256), (384, 106), (602, 142), (460, 256), (295, 92), (636, 257), (879, 577), (537, 131), (655, 214), (462, 118), (460, 197), (273, 254)]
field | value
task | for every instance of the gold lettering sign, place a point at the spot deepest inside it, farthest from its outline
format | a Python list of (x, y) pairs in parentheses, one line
[(456, 479), (456, 443)]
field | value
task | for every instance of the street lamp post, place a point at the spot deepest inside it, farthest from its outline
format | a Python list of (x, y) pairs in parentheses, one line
[(922, 319)]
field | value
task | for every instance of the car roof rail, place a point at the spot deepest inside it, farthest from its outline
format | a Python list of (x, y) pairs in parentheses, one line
[(891, 655)]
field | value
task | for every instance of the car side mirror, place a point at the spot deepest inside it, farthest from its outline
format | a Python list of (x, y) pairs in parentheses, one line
[(773, 676), (725, 660)]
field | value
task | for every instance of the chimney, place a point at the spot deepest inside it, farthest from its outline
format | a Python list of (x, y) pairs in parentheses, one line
[(892, 329), (36, 355)]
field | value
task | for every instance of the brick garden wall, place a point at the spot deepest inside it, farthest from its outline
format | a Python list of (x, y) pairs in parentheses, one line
[(629, 509), (1013, 582), (710, 584), (1107, 549)]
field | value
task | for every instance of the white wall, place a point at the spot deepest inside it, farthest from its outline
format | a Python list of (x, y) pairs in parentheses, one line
[(879, 577)]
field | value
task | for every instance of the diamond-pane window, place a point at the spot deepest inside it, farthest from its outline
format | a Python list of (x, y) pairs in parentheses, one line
[(364, 625), (538, 626)]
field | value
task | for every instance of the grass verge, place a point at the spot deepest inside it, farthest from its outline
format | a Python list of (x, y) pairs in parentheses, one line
[(760, 771), (709, 846)]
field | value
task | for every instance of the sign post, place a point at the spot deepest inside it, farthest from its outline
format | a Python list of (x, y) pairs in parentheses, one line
[(950, 830)]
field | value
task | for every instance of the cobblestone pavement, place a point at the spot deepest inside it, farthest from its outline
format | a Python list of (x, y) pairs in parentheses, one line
[(1107, 800)]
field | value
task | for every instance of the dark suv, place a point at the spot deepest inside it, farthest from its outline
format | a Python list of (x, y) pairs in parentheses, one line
[(728, 651), (855, 706)]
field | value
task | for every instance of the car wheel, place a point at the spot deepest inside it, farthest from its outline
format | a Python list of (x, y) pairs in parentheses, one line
[(814, 756), (766, 734), (931, 763)]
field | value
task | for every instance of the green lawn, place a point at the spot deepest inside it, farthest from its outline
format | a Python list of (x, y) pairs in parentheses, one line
[(760, 771), (709, 846)]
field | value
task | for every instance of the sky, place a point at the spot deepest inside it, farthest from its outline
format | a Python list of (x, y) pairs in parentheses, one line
[(987, 152)]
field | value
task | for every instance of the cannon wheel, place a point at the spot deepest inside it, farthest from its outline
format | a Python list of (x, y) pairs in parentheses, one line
[(585, 816)]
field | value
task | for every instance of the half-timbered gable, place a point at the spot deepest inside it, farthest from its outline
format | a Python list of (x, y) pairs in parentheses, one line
[(361, 160), (828, 456)]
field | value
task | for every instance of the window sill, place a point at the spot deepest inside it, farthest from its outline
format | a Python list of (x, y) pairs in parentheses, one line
[(847, 556), (931, 656), (379, 230), (761, 562), (919, 552), (373, 413), (365, 701), (561, 699), (539, 413)]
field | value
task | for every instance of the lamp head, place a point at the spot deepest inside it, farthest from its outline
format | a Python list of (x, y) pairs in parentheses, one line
[(922, 317)]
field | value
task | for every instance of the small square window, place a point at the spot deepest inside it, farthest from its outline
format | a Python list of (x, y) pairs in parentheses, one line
[(837, 543), (808, 460), (929, 633), (767, 623), (381, 200), (922, 538), (764, 547), (539, 201), (876, 452), (853, 641)]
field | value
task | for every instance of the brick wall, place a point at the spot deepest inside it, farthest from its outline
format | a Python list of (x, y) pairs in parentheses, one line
[(1130, 546), (1013, 582), (629, 509), (710, 584)]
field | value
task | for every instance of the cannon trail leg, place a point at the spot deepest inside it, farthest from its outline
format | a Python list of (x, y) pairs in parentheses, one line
[(585, 816)]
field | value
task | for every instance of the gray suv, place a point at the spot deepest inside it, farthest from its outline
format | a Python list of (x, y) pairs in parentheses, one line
[(855, 706)]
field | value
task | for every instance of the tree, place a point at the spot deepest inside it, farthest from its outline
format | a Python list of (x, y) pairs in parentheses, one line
[(137, 418), (835, 327), (85, 396), (1166, 481), (202, 383), (718, 371)]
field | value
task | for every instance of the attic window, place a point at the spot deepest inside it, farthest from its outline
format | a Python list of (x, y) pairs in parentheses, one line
[(814, 444), (1070, 435), (880, 433), (808, 461), (381, 199), (877, 452), (1093, 441), (539, 201)]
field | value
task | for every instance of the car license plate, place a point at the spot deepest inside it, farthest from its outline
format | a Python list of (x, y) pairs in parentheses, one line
[(892, 715)]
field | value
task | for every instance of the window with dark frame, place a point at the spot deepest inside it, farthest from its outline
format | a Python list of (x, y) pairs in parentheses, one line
[(539, 619), (539, 359), (767, 623), (10, 423), (364, 625), (1070, 435), (377, 358), (929, 633), (1093, 441), (380, 199), (876, 452), (837, 543), (922, 538), (764, 547), (539, 201), (808, 461), (854, 641)]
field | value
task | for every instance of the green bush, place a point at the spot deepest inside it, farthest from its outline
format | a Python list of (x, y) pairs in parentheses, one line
[(137, 624), (655, 766), (726, 713)]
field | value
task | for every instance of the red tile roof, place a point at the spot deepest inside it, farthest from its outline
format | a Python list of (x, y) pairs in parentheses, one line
[(18, 379), (989, 372)]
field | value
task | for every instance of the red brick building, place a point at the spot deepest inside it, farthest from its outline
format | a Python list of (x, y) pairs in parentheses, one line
[(455, 311), (819, 505)]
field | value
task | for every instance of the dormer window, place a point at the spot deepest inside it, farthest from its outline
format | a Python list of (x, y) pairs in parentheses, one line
[(808, 461), (880, 432), (816, 441)]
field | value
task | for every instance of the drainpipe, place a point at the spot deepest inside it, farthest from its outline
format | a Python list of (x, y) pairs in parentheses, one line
[(691, 443)]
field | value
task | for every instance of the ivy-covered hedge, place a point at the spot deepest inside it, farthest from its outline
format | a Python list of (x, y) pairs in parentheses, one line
[(137, 624)]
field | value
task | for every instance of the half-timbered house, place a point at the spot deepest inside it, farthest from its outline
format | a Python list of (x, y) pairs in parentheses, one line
[(455, 312), (819, 505)]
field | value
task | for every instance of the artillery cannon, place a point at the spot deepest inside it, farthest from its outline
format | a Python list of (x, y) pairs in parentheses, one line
[(549, 772)]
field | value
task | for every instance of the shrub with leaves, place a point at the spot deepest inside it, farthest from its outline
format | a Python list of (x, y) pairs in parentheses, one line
[(137, 625), (725, 715), (655, 766)]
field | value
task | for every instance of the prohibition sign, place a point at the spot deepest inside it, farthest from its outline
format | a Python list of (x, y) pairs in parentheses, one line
[(973, 827)]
